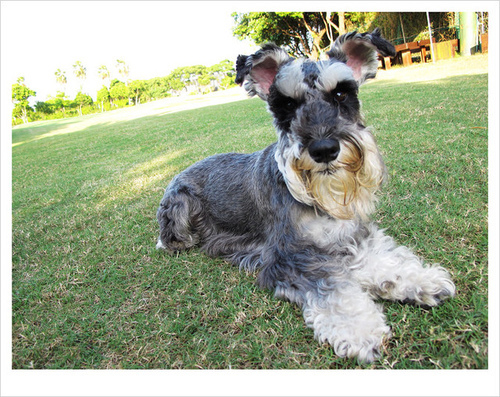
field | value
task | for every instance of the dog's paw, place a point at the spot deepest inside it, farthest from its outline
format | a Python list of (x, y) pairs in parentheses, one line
[(160, 245), (365, 346), (358, 337), (431, 287)]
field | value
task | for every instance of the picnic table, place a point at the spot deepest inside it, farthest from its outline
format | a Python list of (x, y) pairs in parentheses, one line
[(404, 51), (442, 50)]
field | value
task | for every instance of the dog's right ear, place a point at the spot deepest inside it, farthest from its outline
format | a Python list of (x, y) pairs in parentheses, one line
[(257, 71)]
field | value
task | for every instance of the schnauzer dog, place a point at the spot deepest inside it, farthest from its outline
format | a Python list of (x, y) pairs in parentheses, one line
[(298, 211)]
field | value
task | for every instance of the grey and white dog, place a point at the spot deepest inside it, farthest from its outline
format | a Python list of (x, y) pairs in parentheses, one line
[(298, 210)]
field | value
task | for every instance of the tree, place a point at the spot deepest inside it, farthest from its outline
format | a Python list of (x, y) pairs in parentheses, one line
[(103, 73), (80, 72), (119, 93), (222, 73), (175, 84), (103, 96), (60, 103), (205, 79), (20, 99), (123, 69), (137, 88), (224, 67), (189, 77), (158, 87), (82, 100), (44, 107), (61, 79), (302, 33)]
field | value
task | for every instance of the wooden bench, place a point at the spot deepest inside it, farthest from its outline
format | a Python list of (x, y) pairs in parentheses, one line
[(403, 52), (384, 62), (425, 45)]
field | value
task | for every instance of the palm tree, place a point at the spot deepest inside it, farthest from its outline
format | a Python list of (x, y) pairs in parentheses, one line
[(103, 73), (123, 69), (61, 79), (80, 72)]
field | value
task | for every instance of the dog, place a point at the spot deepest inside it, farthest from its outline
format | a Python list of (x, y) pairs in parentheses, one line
[(298, 211)]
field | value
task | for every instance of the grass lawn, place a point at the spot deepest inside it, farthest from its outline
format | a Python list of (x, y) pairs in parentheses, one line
[(91, 291)]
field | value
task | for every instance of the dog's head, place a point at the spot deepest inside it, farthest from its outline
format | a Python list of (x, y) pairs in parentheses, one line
[(328, 158)]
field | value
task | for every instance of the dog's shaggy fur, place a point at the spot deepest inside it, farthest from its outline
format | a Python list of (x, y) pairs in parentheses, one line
[(298, 211)]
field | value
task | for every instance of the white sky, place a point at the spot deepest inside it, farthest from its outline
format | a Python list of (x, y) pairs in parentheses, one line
[(153, 38)]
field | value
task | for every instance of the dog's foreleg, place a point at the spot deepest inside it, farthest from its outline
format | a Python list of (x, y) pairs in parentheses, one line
[(344, 316), (393, 272)]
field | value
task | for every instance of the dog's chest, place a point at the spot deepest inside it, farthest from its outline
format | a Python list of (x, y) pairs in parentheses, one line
[(325, 232)]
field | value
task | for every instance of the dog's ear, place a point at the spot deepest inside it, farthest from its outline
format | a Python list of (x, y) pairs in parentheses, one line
[(360, 52), (258, 71)]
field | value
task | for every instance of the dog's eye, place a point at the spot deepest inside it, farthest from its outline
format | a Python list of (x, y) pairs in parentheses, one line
[(340, 96), (290, 104)]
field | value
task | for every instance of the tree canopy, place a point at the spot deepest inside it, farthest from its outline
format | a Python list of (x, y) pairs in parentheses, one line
[(310, 34), (80, 72), (81, 100), (303, 33), (20, 99)]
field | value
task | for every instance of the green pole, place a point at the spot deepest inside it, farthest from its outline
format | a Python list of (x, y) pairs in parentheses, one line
[(468, 33)]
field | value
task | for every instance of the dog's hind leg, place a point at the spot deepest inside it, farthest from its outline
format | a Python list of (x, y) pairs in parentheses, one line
[(179, 217)]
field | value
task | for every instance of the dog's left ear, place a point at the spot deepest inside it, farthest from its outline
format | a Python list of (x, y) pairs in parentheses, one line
[(360, 52), (258, 71)]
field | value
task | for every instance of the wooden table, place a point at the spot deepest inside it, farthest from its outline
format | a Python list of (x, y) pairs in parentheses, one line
[(404, 51)]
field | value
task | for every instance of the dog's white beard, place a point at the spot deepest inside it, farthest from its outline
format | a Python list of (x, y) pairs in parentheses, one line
[(344, 188)]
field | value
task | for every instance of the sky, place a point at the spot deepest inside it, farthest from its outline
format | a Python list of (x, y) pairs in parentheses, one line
[(153, 38)]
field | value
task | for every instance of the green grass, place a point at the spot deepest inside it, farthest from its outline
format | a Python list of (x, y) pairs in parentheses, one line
[(91, 291)]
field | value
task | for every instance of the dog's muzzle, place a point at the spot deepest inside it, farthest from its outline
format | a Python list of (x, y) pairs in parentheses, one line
[(324, 150)]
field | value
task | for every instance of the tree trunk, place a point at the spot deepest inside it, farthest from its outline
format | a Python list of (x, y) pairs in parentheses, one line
[(24, 115), (317, 44), (316, 36), (341, 23)]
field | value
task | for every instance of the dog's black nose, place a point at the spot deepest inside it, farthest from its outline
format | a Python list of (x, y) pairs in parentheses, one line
[(324, 150)]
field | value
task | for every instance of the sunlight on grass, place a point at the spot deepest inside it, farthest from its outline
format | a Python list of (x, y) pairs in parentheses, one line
[(159, 108), (419, 72), (141, 177)]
